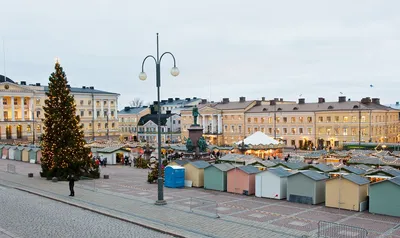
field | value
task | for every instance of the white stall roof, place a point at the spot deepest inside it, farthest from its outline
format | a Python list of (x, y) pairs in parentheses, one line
[(259, 138)]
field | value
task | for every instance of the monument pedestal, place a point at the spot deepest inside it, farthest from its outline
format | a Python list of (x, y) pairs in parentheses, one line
[(195, 133)]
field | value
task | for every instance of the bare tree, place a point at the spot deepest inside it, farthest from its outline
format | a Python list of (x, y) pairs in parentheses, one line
[(136, 102)]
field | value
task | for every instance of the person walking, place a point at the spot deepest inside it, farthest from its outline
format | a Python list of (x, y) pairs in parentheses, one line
[(105, 161), (71, 179)]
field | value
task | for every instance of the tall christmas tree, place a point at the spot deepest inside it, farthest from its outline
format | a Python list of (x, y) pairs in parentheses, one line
[(63, 144)]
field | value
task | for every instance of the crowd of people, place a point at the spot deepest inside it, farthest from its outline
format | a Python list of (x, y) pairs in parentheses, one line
[(100, 161)]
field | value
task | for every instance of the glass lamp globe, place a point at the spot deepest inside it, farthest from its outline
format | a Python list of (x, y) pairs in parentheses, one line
[(142, 76), (175, 71)]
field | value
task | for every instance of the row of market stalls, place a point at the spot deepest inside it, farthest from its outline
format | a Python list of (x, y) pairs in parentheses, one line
[(346, 187), (21, 153)]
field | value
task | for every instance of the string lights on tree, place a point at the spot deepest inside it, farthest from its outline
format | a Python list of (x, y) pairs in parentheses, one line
[(63, 144)]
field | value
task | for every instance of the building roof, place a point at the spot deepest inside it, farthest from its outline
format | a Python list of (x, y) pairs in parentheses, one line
[(178, 101), (223, 167), (132, 110), (314, 106), (324, 168), (200, 164), (5, 79), (84, 90), (175, 166), (292, 165), (110, 149), (394, 180), (279, 172), (181, 162), (362, 166), (357, 179), (248, 169), (312, 175), (227, 105), (389, 172), (153, 117), (354, 170)]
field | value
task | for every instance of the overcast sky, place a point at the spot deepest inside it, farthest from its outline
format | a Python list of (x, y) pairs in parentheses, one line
[(232, 48)]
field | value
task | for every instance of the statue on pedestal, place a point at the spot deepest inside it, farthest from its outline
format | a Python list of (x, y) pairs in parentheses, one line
[(195, 113), (202, 144), (189, 145)]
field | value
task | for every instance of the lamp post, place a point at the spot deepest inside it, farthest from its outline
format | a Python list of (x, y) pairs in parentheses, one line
[(143, 76)]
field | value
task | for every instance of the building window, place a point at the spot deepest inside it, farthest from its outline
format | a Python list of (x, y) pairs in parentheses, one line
[(15, 101), (293, 142), (293, 131), (284, 119), (82, 113), (278, 131), (262, 129), (309, 119), (320, 119), (90, 113), (353, 119), (363, 119), (112, 102), (105, 103), (240, 129), (81, 102), (173, 122), (90, 126), (270, 130), (98, 113), (112, 113), (336, 118), (37, 114), (37, 101), (38, 128), (98, 125), (285, 131), (89, 102), (262, 120), (249, 120), (25, 102), (301, 131), (345, 119), (293, 119), (4, 101), (113, 125), (255, 129), (328, 119), (269, 120), (97, 103), (309, 130), (83, 126), (226, 128), (336, 131), (345, 131), (28, 128), (328, 131), (232, 129), (249, 130), (353, 131), (301, 119), (278, 120), (255, 120)]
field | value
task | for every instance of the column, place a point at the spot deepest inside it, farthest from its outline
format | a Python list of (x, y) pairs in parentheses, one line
[(219, 124), (102, 108), (204, 123), (30, 113), (94, 108), (1, 111), (12, 109), (23, 108), (212, 123)]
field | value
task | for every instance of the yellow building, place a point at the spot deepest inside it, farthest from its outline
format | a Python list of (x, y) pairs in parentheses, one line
[(304, 125), (21, 110), (128, 121)]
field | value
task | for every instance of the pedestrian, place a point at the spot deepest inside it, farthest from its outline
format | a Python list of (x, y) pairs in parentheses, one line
[(105, 162), (71, 178)]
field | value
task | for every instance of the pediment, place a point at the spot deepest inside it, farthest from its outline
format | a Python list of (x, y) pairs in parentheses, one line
[(208, 110), (11, 87), (150, 123)]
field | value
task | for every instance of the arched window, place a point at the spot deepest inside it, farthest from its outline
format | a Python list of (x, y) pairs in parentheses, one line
[(330, 107), (265, 109), (279, 109), (355, 107), (295, 108)]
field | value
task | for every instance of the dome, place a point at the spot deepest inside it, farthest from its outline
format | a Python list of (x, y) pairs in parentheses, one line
[(7, 79)]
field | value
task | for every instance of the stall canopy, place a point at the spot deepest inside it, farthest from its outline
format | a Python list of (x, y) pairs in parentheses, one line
[(259, 139)]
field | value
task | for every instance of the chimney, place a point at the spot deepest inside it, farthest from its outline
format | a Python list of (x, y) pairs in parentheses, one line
[(242, 99), (68, 86), (176, 99), (194, 98), (281, 99), (225, 100), (84, 87), (272, 102), (366, 100), (342, 99), (127, 109), (23, 82), (263, 99), (203, 101), (170, 99), (276, 99), (321, 100), (91, 87), (37, 84), (187, 99), (164, 101), (168, 112), (302, 100), (376, 101), (397, 103)]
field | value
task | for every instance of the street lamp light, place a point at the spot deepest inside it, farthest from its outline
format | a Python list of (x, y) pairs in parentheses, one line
[(143, 76)]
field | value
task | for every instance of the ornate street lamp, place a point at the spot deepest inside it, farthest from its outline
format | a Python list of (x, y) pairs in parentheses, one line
[(143, 76)]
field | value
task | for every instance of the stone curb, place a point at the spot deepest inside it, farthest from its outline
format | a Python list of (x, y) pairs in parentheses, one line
[(101, 213)]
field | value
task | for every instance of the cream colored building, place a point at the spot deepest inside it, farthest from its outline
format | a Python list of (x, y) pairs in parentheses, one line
[(318, 124), (21, 111), (128, 121)]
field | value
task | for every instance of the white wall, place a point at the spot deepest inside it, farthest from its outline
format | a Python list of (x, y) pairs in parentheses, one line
[(268, 185)]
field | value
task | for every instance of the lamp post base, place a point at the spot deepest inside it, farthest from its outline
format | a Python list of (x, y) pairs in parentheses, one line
[(161, 202)]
